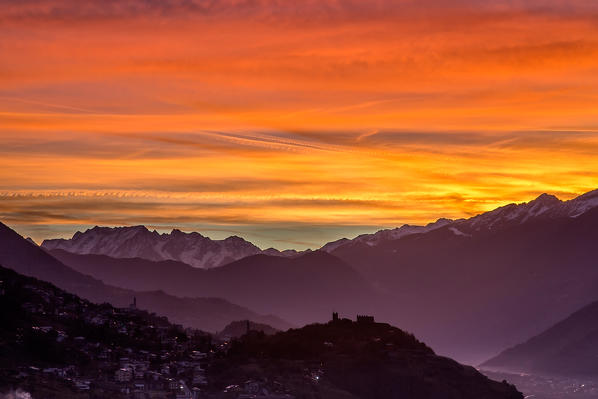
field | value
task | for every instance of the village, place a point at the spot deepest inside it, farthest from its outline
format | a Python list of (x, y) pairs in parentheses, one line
[(108, 344)]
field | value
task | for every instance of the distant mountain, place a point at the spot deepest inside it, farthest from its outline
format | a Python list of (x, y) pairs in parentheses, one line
[(345, 359), (473, 286), (568, 348), (239, 328), (209, 314), (302, 289), (545, 206), (202, 252), (138, 242), (386, 235)]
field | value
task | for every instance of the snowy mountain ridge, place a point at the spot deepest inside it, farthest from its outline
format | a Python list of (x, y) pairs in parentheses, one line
[(139, 242), (544, 206), (203, 252)]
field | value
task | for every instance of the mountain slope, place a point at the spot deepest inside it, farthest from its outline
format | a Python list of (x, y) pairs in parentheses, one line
[(386, 235), (239, 328), (138, 242), (210, 314), (491, 281), (77, 342), (568, 348), (345, 359), (303, 289)]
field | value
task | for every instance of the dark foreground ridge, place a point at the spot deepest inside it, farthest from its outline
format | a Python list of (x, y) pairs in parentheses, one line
[(346, 359)]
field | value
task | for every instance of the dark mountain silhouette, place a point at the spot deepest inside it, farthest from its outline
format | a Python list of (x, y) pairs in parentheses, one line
[(138, 242), (470, 287), (568, 348), (345, 359), (239, 328), (209, 314), (302, 289)]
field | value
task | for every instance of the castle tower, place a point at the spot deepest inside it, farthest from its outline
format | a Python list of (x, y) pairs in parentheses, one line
[(334, 316)]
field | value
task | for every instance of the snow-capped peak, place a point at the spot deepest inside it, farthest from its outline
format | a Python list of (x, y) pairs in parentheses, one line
[(387, 234), (580, 205), (544, 206), (139, 242)]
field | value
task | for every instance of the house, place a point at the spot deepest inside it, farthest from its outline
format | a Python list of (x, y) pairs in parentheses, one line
[(123, 375), (172, 384), (82, 385), (197, 355), (183, 391), (61, 336), (98, 320), (199, 379), (252, 387), (32, 308)]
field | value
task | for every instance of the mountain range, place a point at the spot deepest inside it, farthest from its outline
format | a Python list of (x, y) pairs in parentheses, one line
[(138, 242), (545, 206), (209, 314), (469, 287), (203, 252)]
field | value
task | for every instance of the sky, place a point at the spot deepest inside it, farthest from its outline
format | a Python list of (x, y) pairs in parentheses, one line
[(291, 123)]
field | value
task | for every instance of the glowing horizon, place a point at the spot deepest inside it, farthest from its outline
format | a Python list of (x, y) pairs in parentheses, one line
[(291, 125)]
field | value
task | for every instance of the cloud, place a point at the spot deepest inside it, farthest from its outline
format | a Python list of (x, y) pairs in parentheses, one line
[(258, 114)]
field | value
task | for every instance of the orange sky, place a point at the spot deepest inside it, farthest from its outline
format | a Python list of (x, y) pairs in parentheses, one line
[(288, 124)]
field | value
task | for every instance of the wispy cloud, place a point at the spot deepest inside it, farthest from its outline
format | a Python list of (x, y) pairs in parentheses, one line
[(253, 115)]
